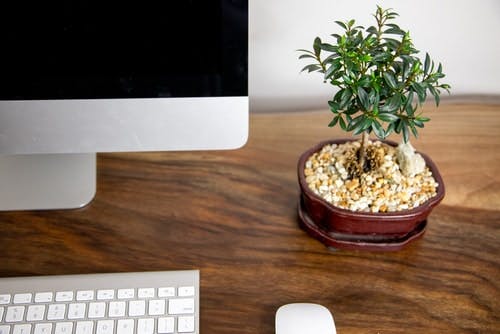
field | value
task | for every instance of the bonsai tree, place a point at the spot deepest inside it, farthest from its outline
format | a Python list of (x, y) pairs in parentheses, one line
[(380, 80)]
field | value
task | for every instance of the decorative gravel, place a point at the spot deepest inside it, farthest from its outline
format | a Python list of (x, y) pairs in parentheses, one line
[(385, 189)]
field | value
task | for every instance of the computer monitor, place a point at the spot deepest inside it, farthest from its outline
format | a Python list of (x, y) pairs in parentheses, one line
[(84, 76)]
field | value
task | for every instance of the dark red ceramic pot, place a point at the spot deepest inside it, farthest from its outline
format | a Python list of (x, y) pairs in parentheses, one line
[(342, 228)]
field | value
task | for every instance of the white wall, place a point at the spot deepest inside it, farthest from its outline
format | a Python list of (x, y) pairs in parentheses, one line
[(464, 35)]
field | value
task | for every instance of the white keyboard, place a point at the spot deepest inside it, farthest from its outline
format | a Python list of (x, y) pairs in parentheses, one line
[(117, 303)]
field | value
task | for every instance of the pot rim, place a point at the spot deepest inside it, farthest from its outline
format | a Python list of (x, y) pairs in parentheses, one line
[(429, 204)]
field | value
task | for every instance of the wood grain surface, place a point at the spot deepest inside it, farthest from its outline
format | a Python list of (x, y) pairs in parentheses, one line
[(233, 215)]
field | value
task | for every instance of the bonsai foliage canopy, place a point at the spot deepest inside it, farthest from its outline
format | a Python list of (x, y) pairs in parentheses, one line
[(380, 80)]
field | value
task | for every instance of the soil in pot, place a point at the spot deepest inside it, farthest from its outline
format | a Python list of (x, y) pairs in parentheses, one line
[(384, 188)]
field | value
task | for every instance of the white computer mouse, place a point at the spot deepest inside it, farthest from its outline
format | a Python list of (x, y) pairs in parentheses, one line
[(304, 318)]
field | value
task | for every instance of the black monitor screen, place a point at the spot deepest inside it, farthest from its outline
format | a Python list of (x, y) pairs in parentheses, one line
[(80, 49)]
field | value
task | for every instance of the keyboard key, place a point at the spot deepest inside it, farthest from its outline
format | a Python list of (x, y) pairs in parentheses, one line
[(97, 310), (4, 299), (44, 297), (125, 326), (85, 327), (166, 292), (116, 309), (56, 312), (126, 293), (186, 291), (64, 328), (166, 325), (185, 324), (181, 306), (84, 295), (1, 314), (22, 329), (45, 328), (105, 327), (156, 307), (105, 294), (145, 326), (15, 314), (137, 308), (35, 312), (146, 293), (4, 329), (76, 311), (64, 296), (22, 298)]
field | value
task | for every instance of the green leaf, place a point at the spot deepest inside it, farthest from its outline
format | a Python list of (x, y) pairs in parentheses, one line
[(311, 68), (378, 130), (392, 43), (390, 80), (427, 63), (372, 30), (387, 117), (406, 133), (317, 46), (407, 60), (342, 124), (395, 31), (362, 125), (392, 104), (334, 121), (389, 130), (410, 109), (374, 98), (338, 95), (342, 24), (413, 128), (328, 47), (307, 56), (305, 51), (364, 81), (345, 98), (331, 59), (398, 125), (334, 106), (381, 57), (354, 122), (420, 90), (363, 98), (409, 100), (418, 123), (435, 93), (332, 69), (423, 119)]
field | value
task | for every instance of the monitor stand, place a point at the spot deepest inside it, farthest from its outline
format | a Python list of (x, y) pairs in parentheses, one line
[(47, 181)]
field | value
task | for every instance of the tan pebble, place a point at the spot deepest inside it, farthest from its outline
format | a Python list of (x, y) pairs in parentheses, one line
[(404, 197), (352, 184), (325, 156), (311, 179), (308, 172)]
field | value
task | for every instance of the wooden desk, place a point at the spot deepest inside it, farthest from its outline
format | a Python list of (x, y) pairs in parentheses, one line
[(233, 215)]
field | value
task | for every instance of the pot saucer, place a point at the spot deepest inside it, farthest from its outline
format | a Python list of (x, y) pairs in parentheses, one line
[(371, 242)]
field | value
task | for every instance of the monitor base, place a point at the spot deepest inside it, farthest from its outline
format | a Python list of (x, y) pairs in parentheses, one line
[(47, 181)]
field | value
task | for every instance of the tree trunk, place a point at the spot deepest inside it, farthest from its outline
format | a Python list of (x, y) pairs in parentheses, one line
[(362, 159)]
